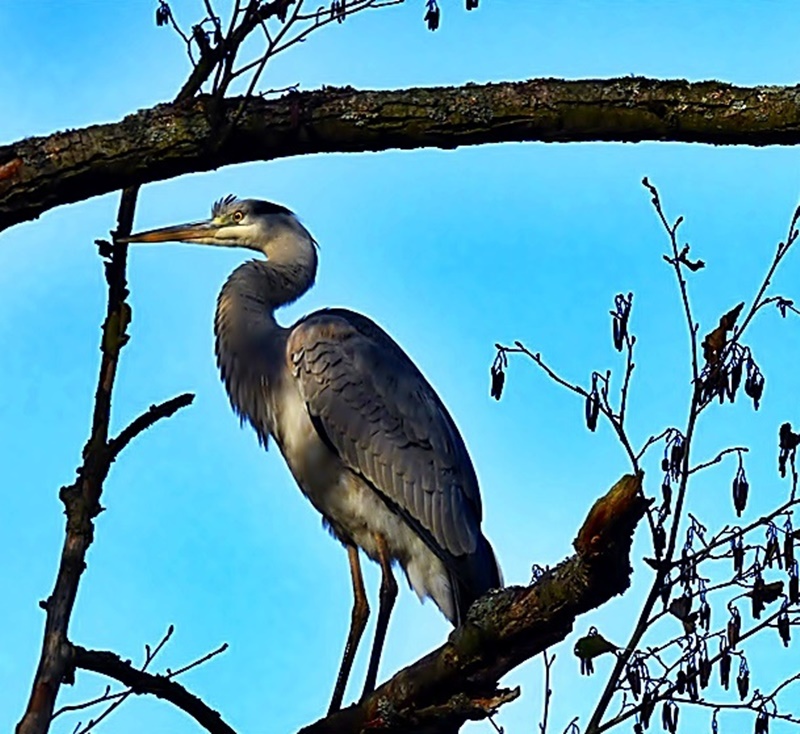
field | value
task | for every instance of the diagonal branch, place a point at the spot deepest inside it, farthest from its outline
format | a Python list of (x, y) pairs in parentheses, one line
[(169, 140), (458, 681), (153, 414)]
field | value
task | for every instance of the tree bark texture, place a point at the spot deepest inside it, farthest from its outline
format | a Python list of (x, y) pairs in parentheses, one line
[(37, 174)]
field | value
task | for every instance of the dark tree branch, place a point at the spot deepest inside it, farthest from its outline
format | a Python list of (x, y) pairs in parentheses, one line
[(82, 498), (146, 420), (38, 174), (162, 686), (503, 629)]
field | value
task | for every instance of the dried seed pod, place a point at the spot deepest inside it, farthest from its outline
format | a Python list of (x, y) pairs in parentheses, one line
[(691, 681), (704, 670), (743, 680), (754, 383), (734, 628), (648, 705), (735, 379), (756, 595), (676, 457), (620, 316), (741, 488), (725, 669), (498, 381), (762, 722), (737, 549), (680, 681), (432, 15), (794, 584), (705, 615), (666, 493), (788, 544), (784, 627), (772, 548), (163, 13), (592, 407), (634, 677)]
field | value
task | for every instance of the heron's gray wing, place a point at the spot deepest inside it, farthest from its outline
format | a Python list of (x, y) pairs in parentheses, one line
[(380, 414)]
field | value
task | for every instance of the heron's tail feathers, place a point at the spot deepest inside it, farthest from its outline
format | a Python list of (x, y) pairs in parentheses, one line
[(478, 573)]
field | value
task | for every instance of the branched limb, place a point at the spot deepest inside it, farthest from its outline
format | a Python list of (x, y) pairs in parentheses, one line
[(678, 261)]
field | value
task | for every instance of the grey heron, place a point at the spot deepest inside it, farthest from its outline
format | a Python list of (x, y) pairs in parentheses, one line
[(365, 435)]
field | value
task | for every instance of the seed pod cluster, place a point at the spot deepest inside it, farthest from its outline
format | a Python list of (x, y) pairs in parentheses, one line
[(669, 717), (674, 451), (722, 377), (636, 673)]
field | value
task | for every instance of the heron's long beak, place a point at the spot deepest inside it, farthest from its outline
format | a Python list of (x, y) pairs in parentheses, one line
[(193, 231)]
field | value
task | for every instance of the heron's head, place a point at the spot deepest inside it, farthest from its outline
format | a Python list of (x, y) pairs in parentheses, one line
[(250, 223)]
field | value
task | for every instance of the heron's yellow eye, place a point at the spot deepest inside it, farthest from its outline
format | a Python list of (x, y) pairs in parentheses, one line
[(238, 216)]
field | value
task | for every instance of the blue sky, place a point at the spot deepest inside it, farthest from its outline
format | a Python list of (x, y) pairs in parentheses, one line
[(451, 251)]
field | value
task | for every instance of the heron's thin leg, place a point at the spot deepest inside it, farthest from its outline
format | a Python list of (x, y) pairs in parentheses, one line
[(388, 594), (358, 620)]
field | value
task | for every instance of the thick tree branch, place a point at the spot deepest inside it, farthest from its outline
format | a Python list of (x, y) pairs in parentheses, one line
[(438, 693), (38, 174)]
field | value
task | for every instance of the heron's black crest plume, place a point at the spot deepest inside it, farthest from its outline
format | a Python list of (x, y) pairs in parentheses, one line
[(256, 207), (222, 205)]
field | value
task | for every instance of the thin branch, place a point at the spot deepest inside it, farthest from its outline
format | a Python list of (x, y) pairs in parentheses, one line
[(719, 457), (548, 691), (780, 253), (161, 686), (140, 424)]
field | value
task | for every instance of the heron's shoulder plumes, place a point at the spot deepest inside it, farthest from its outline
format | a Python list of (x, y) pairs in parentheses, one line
[(256, 207)]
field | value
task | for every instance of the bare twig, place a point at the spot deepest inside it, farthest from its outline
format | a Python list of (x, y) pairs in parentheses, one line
[(719, 457)]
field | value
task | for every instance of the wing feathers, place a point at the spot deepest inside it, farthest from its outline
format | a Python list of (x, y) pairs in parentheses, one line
[(387, 424)]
